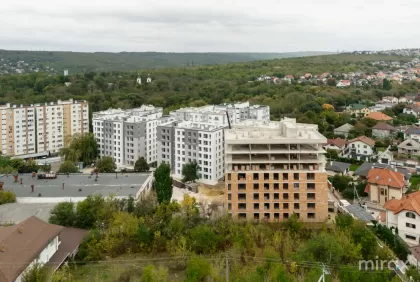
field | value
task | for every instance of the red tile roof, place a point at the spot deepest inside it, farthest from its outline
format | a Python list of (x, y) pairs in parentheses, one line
[(386, 177), (339, 142), (363, 139), (410, 202), (379, 116)]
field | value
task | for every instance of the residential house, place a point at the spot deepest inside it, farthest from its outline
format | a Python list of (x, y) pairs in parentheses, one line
[(338, 168), (412, 133), (336, 144), (409, 147), (385, 157), (35, 241), (379, 116), (308, 75), (358, 110), (413, 109), (380, 106), (360, 148), (390, 99), (344, 83), (363, 170), (404, 214), (343, 130), (383, 130), (384, 184)]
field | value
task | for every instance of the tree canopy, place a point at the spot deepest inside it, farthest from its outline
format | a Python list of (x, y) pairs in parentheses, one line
[(163, 183), (190, 172), (106, 164), (141, 165)]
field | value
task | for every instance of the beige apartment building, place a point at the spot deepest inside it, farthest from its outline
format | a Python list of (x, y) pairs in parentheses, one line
[(39, 129), (275, 170)]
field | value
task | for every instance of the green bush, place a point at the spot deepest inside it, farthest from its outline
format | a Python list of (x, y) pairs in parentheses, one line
[(7, 197)]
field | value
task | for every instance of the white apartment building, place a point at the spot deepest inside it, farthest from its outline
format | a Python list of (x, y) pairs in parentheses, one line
[(40, 129), (127, 135), (217, 114), (180, 143), (197, 123)]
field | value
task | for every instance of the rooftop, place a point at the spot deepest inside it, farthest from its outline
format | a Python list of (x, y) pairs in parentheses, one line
[(199, 126), (410, 202), (17, 212), (269, 131), (386, 177), (364, 139), (130, 115), (22, 243), (384, 126), (125, 185), (338, 167), (379, 116)]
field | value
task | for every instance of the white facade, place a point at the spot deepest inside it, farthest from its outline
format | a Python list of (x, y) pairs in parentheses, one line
[(43, 257), (358, 150), (198, 134), (408, 223), (127, 135)]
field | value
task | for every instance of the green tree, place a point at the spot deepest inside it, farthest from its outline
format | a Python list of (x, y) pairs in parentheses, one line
[(197, 269), (141, 165), (163, 183), (89, 211), (7, 197), (68, 167), (106, 164), (190, 172), (387, 85), (63, 214), (82, 148), (36, 273), (151, 274)]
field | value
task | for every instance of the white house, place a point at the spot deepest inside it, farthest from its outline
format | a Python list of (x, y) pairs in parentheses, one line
[(360, 148), (409, 147), (412, 110), (138, 80), (390, 99), (404, 214), (148, 79), (386, 157), (343, 83)]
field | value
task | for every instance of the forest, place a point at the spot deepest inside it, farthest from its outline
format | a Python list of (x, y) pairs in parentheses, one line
[(131, 61)]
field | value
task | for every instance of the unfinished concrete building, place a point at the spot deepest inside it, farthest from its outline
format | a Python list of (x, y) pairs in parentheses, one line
[(275, 170)]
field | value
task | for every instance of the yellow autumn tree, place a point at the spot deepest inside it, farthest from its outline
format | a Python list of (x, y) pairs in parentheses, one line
[(328, 107)]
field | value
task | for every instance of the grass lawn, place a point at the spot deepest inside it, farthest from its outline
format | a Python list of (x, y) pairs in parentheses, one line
[(414, 181), (117, 269), (353, 167), (380, 149)]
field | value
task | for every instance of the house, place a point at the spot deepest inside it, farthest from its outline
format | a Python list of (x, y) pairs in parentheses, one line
[(409, 147), (414, 256), (384, 184), (307, 75), (343, 83), (360, 148), (31, 241), (336, 144), (382, 130), (413, 109), (358, 110), (343, 130), (386, 157), (338, 168), (363, 170), (379, 116), (404, 214), (412, 133), (380, 106), (390, 99)]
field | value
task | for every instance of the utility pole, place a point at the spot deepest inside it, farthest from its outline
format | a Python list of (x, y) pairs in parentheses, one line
[(227, 267)]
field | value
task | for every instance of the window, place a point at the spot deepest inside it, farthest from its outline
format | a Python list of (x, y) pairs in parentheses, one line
[(410, 225), (296, 185), (256, 206), (296, 196), (256, 196), (296, 206), (296, 176), (310, 205), (410, 215), (286, 206), (285, 196), (383, 192), (410, 237), (311, 215), (256, 186), (285, 186), (229, 197)]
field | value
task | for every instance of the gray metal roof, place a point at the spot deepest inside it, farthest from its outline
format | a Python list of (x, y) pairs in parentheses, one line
[(360, 213), (338, 166), (126, 184), (413, 130)]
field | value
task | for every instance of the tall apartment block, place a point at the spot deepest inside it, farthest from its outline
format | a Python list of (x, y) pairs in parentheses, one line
[(127, 135), (217, 114), (275, 170), (183, 142), (39, 129), (198, 134)]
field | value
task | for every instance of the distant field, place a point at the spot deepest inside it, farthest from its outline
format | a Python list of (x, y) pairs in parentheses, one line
[(129, 61)]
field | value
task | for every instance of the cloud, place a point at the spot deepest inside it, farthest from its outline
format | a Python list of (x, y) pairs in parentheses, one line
[(205, 26)]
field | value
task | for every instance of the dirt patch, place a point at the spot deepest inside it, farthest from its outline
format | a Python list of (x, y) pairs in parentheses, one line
[(212, 190)]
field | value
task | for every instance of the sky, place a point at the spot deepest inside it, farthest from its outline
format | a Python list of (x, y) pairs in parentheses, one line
[(209, 25)]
